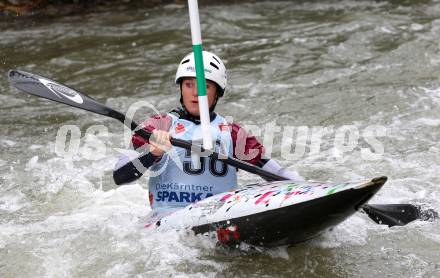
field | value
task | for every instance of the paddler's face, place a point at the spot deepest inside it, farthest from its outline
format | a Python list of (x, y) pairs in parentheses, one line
[(190, 97)]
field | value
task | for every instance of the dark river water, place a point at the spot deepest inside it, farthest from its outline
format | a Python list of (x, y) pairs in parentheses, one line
[(352, 68)]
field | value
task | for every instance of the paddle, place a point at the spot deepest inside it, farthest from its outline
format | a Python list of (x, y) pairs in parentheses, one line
[(398, 214), (43, 87)]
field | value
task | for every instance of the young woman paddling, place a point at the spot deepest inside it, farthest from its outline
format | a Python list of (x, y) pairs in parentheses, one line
[(177, 180)]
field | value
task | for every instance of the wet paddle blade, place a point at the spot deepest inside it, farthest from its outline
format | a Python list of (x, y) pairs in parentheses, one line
[(44, 87), (398, 214)]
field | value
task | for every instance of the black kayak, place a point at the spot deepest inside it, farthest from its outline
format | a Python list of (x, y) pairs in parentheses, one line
[(273, 213)]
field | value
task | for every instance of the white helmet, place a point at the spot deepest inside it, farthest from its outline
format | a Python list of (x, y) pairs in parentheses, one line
[(215, 70)]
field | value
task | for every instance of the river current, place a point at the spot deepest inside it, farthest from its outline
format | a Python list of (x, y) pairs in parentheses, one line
[(347, 67)]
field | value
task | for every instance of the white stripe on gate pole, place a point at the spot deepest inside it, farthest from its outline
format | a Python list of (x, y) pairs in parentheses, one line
[(196, 34), (200, 73)]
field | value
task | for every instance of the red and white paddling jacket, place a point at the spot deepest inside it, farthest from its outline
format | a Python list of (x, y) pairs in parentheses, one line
[(178, 178)]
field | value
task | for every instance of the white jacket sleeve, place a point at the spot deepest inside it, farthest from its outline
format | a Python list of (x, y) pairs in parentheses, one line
[(275, 168)]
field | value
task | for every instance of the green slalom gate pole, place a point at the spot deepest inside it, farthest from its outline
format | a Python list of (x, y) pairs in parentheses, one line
[(196, 37)]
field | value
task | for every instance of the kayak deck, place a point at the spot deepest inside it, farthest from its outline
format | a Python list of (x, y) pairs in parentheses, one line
[(268, 216)]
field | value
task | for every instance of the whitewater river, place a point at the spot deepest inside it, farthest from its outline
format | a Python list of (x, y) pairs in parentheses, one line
[(346, 66)]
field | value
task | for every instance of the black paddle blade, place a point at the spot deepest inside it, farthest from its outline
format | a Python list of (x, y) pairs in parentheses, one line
[(398, 214), (44, 87)]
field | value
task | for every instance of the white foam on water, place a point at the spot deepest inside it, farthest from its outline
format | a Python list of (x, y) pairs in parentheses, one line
[(426, 122), (278, 252), (13, 201), (417, 27), (32, 163), (78, 224), (432, 94), (179, 253), (34, 147), (353, 231), (56, 261), (64, 62), (7, 143), (120, 270)]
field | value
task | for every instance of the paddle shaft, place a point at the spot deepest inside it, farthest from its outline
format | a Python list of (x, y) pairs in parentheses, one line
[(45, 88), (189, 146)]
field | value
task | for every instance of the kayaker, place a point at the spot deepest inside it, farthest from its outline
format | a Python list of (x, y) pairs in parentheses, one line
[(179, 181)]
